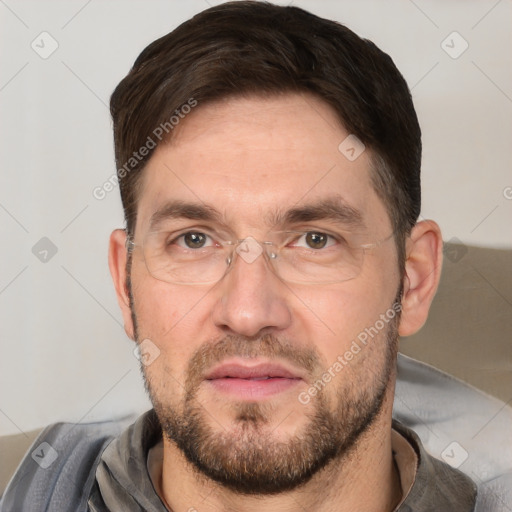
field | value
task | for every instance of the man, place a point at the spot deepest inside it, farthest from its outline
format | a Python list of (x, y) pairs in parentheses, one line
[(269, 167)]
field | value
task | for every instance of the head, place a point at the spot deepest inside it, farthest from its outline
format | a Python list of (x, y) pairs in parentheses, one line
[(251, 120)]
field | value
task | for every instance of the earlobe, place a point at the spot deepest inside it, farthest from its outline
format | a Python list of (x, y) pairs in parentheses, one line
[(117, 258), (423, 265)]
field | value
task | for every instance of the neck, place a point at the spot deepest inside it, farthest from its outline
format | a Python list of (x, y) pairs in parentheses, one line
[(365, 479)]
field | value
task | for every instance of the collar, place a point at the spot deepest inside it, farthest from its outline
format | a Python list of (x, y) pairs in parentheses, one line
[(131, 463)]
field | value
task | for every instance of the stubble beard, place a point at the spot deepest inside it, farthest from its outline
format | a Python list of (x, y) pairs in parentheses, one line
[(248, 459)]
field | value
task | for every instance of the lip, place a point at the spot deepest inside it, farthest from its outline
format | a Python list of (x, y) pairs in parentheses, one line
[(244, 371), (252, 382)]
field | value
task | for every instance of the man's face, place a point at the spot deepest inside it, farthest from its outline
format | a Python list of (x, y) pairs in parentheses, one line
[(252, 162)]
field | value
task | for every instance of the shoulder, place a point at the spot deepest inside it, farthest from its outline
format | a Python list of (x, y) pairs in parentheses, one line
[(459, 425), (59, 467)]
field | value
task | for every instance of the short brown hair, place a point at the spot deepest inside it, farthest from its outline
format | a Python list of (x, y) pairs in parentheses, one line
[(257, 48)]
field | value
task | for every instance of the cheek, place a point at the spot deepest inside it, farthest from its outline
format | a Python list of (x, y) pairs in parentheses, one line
[(173, 318), (354, 355), (333, 317), (163, 308)]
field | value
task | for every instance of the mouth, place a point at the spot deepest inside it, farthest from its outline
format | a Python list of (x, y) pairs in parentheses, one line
[(252, 382)]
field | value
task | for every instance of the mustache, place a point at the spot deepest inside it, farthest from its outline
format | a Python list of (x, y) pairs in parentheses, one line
[(268, 346)]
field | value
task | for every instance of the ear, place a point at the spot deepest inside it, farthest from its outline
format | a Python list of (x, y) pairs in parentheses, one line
[(117, 258), (424, 256)]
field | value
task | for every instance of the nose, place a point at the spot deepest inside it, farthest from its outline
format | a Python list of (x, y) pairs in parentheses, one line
[(252, 299)]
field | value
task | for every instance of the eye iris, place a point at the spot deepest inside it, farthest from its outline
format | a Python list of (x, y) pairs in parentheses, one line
[(316, 240), (194, 240)]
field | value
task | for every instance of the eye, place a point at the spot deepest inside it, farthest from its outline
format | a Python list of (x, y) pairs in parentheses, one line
[(315, 240), (193, 240)]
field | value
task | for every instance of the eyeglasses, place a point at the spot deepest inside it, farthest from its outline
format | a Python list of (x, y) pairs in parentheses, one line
[(197, 257)]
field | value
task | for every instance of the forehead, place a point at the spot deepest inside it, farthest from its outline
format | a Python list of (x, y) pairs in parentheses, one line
[(250, 157)]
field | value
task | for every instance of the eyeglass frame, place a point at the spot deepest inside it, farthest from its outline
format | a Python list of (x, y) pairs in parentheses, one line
[(130, 245)]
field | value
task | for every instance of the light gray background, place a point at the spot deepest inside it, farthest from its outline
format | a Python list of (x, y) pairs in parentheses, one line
[(64, 352)]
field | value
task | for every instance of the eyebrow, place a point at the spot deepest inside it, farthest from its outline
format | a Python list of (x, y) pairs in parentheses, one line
[(183, 210), (332, 208)]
